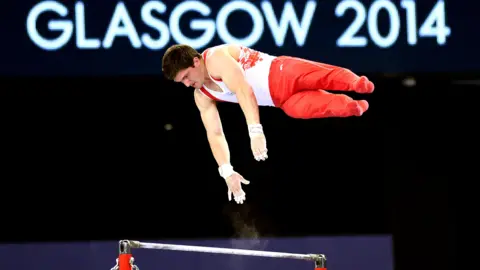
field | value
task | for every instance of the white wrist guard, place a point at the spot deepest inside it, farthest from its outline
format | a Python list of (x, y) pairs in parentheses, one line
[(226, 170), (255, 129)]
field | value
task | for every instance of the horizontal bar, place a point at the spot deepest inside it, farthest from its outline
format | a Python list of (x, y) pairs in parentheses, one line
[(230, 251)]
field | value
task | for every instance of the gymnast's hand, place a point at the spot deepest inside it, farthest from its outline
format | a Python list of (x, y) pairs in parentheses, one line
[(258, 142), (234, 183)]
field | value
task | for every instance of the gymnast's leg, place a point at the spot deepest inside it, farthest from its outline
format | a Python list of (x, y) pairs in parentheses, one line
[(321, 104), (312, 75)]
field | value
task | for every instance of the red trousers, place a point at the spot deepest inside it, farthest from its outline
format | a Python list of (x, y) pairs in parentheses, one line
[(297, 86)]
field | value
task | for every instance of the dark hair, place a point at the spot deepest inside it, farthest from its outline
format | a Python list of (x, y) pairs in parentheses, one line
[(176, 58)]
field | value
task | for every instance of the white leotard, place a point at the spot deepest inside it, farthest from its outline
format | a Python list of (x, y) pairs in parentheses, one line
[(256, 66)]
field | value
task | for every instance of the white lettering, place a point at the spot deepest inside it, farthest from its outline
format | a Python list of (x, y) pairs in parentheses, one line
[(254, 13), (411, 10), (153, 22), (433, 26), (393, 31), (121, 25), (349, 38), (82, 41), (65, 26), (289, 17), (207, 26)]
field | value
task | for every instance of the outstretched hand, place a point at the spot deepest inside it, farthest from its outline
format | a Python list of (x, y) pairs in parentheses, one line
[(234, 183)]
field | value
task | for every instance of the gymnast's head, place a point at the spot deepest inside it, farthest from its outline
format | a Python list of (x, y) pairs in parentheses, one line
[(184, 64)]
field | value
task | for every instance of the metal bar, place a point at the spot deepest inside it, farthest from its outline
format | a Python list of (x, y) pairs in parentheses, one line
[(230, 251)]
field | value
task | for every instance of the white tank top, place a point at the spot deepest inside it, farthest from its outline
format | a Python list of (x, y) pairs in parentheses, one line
[(256, 66)]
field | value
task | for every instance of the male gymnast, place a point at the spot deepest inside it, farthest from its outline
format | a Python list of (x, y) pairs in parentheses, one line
[(238, 74)]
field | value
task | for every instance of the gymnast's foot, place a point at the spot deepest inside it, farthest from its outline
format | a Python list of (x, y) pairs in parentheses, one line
[(363, 85)]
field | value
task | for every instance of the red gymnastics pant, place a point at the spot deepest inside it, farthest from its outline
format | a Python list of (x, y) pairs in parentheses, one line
[(297, 86)]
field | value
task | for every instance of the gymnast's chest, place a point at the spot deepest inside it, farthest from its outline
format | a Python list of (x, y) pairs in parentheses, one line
[(218, 87)]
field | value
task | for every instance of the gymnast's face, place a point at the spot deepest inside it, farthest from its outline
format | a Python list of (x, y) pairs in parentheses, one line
[(192, 76)]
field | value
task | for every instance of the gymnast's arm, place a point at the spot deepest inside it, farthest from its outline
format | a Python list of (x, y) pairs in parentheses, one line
[(233, 76), (213, 126)]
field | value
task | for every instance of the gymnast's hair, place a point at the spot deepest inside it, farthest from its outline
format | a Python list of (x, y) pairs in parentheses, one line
[(177, 58)]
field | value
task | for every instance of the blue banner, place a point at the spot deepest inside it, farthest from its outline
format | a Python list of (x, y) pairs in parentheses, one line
[(112, 37), (343, 253)]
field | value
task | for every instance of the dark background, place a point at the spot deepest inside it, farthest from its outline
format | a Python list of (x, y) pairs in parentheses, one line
[(89, 158), (20, 56)]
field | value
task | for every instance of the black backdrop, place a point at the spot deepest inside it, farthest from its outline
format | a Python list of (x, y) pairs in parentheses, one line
[(93, 158)]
